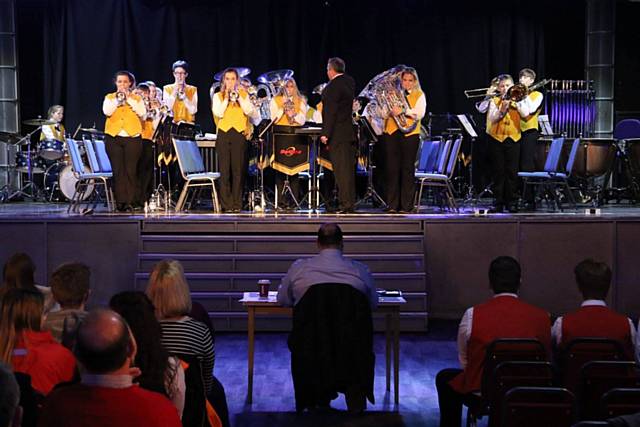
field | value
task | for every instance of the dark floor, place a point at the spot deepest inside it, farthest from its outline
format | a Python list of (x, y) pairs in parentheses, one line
[(421, 357)]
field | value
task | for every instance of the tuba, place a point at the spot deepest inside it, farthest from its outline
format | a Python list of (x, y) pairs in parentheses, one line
[(386, 91)]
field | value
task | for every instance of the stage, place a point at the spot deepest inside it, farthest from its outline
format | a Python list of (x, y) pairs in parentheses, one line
[(438, 260)]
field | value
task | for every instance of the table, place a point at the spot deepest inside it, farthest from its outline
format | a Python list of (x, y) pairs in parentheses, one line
[(390, 306)]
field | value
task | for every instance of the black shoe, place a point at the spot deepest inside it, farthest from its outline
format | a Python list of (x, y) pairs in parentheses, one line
[(391, 211), (497, 209)]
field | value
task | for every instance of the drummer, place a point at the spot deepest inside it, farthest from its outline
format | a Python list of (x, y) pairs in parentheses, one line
[(56, 130), (288, 109)]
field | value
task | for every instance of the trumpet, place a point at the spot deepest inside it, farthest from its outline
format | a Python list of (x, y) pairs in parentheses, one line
[(181, 94), (233, 95), (121, 97), (289, 109)]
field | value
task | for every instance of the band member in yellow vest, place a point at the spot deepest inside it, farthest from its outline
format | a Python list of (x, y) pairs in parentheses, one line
[(530, 131), (181, 98), (288, 108), (503, 128), (401, 148), (233, 109), (145, 163), (123, 128), (55, 131)]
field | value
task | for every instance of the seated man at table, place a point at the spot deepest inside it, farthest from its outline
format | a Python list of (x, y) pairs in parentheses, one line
[(329, 266), (503, 316)]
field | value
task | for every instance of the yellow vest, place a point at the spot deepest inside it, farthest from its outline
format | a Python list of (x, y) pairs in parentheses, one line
[(180, 112), (58, 135), (124, 118), (390, 124), (233, 117), (147, 129), (284, 121), (531, 121), (508, 126)]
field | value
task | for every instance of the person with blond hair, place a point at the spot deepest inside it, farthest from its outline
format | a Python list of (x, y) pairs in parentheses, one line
[(181, 334), (26, 347)]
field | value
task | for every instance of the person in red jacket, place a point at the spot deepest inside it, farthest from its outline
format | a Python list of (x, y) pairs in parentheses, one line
[(106, 395), (503, 316), (26, 347), (594, 318)]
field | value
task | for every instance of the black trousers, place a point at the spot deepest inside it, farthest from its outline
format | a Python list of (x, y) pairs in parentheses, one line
[(294, 183), (450, 401), (343, 158), (400, 159), (124, 153), (505, 157), (231, 149), (145, 172)]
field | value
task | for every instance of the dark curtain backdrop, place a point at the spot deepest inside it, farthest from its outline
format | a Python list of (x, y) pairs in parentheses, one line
[(454, 45)]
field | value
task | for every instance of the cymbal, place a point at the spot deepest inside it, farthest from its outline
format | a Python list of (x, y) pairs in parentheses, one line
[(318, 89), (11, 138), (90, 130), (275, 76), (242, 72), (38, 122)]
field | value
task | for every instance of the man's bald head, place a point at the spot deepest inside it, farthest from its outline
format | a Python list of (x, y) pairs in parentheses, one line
[(330, 236), (103, 342)]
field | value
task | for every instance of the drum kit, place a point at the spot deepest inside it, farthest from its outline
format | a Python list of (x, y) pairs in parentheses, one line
[(44, 168)]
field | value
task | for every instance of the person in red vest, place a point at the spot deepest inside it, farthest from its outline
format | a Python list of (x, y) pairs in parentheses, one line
[(594, 318), (503, 316)]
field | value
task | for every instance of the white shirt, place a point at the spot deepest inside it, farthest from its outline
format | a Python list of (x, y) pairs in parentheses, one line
[(465, 327), (523, 107), (190, 104), (277, 112), (109, 106), (556, 329), (219, 106), (418, 111)]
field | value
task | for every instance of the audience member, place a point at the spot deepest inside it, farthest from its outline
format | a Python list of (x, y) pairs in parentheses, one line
[(18, 272), (10, 410), (594, 318), (329, 266), (181, 334), (160, 372), (28, 349), (70, 286), (503, 316), (106, 395)]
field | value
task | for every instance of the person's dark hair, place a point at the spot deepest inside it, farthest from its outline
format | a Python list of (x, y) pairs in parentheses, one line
[(503, 77), (152, 358), (70, 284), (132, 78), (91, 351), (143, 87), (330, 235), (528, 72), (337, 64), (504, 275), (18, 272), (9, 395), (180, 64), (593, 279)]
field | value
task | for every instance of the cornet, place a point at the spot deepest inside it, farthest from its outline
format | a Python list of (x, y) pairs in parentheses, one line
[(233, 95), (181, 94), (121, 97)]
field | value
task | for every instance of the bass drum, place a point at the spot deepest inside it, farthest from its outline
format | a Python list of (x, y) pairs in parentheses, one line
[(60, 183)]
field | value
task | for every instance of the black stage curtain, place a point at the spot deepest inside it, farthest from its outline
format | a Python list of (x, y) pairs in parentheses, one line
[(454, 45)]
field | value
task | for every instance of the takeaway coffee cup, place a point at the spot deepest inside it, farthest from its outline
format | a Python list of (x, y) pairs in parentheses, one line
[(263, 287)]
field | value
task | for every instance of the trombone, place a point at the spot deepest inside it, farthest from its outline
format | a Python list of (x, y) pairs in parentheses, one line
[(481, 92)]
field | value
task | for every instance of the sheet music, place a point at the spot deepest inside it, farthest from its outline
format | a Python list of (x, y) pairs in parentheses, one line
[(467, 125)]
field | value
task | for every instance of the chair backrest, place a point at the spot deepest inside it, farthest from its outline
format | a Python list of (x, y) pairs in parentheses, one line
[(194, 412), (453, 156), (582, 350), (508, 350), (572, 155), (627, 129), (189, 157), (553, 156), (76, 158), (620, 401), (443, 155), (538, 406), (103, 157), (426, 147), (432, 161), (508, 375), (598, 377), (91, 155)]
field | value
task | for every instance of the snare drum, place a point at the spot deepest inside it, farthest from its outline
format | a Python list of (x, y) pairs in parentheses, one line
[(51, 149), (22, 162)]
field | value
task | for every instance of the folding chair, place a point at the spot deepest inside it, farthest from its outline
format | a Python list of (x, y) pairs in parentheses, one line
[(620, 401), (538, 406), (582, 350), (86, 176), (443, 175), (597, 378), (193, 171)]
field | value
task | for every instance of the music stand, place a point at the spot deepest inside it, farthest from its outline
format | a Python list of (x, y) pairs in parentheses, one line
[(366, 132), (545, 125)]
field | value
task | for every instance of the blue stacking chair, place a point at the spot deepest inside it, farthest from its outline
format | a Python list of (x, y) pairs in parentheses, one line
[(443, 174), (193, 171), (93, 175), (553, 174)]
